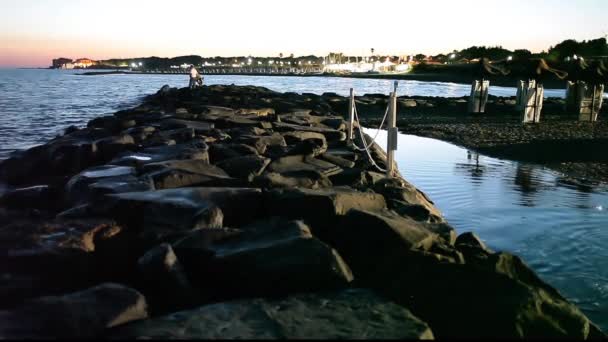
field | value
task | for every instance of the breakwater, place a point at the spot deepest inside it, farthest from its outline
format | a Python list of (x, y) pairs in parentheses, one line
[(238, 211)]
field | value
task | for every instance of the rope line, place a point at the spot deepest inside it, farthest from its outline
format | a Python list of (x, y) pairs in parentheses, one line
[(366, 147)]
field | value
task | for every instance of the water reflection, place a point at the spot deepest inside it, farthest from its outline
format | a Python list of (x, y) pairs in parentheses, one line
[(526, 182), (557, 225)]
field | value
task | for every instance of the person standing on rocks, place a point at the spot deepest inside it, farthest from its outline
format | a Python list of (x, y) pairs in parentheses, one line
[(194, 77)]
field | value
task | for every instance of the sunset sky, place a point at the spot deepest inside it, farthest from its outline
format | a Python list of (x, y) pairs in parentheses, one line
[(32, 32)]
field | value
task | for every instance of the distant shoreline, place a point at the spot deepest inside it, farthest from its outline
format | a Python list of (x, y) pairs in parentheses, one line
[(427, 77)]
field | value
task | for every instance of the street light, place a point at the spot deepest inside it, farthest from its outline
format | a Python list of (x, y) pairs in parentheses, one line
[(510, 58)]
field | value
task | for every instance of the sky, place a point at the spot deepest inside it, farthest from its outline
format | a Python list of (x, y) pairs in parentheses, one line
[(32, 32)]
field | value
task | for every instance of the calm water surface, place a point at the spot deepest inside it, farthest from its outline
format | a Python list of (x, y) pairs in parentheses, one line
[(559, 229)]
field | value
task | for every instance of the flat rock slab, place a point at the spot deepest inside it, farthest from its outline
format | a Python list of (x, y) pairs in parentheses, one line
[(297, 163), (350, 314), (196, 149), (322, 207), (184, 209), (197, 126), (330, 134), (273, 258), (184, 173), (246, 167)]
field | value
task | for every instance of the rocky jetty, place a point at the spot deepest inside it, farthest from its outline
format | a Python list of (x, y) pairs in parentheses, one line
[(239, 212)]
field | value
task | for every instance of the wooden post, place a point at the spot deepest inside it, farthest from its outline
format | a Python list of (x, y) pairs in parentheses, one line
[(351, 115), (392, 134)]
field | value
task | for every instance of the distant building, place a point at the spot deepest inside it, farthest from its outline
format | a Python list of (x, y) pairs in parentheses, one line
[(60, 62), (68, 66), (84, 63)]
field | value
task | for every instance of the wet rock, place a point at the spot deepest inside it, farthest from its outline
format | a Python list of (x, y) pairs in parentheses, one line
[(86, 314), (350, 314), (247, 167)]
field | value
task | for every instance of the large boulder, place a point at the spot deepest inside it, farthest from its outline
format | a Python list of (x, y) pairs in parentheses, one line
[(321, 208), (368, 238), (184, 173), (484, 295), (270, 257), (185, 209), (397, 189), (85, 314), (350, 314)]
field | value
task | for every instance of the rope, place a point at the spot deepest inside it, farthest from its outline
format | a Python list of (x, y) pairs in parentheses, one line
[(365, 145)]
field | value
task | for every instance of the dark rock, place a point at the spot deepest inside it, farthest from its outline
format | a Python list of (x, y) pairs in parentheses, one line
[(56, 256), (367, 239), (418, 212), (165, 284), (400, 190), (39, 197), (350, 314), (185, 173), (92, 183), (298, 163), (85, 314), (330, 134), (272, 258), (502, 287), (334, 159), (321, 208), (196, 149), (220, 152), (247, 167), (262, 142), (303, 179), (186, 209)]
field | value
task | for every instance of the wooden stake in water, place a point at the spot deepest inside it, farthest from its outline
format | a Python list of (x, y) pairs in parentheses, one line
[(392, 134), (351, 115)]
